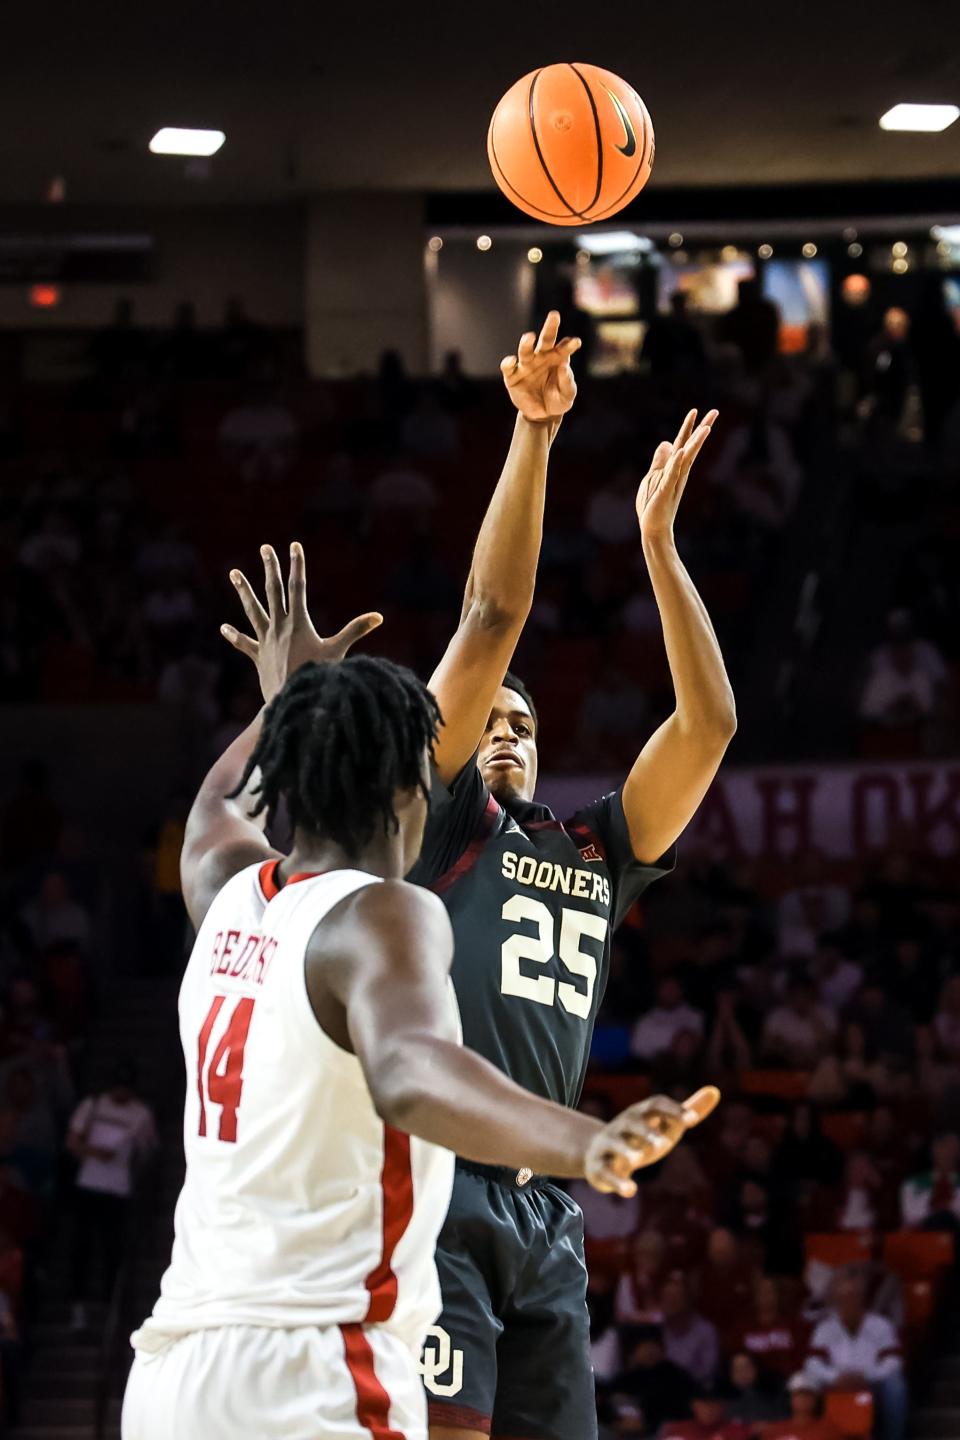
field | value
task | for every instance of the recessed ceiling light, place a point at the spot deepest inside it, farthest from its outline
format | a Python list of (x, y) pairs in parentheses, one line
[(613, 242), (931, 118), (171, 141)]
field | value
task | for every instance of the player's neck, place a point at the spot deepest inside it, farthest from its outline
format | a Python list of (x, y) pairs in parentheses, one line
[(312, 855)]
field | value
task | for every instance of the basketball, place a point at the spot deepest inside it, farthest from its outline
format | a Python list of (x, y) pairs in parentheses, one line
[(570, 144)]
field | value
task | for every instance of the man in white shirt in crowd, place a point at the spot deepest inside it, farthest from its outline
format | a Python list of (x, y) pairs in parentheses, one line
[(111, 1134), (655, 1033), (796, 1031), (855, 1349)]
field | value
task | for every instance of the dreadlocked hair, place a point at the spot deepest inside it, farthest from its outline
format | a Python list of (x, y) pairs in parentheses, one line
[(338, 742), (513, 682)]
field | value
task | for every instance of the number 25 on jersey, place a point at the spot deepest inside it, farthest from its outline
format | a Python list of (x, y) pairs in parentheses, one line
[(221, 1081), (540, 948)]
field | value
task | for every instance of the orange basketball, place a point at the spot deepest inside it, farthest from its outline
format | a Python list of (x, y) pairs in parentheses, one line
[(570, 144)]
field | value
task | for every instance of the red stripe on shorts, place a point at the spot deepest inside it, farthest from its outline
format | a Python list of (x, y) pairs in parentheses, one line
[(373, 1402), (397, 1183)]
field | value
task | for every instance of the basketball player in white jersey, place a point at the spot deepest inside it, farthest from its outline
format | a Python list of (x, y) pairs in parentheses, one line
[(327, 1088)]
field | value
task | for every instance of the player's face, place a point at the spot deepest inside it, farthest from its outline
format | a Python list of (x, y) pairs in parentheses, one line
[(507, 758)]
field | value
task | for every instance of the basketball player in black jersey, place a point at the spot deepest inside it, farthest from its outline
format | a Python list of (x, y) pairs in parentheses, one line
[(533, 901)]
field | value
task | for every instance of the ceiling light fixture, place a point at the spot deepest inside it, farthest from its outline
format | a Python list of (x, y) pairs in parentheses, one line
[(930, 119), (171, 141)]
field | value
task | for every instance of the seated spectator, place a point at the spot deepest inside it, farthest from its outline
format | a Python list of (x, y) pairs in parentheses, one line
[(814, 907), (728, 1050), (169, 608), (806, 1414), (651, 1383), (637, 1299), (899, 693), (54, 545), (402, 487), (54, 915), (887, 1029), (805, 1156), (712, 1417), (614, 712), (679, 1203), (611, 514), (887, 1145), (654, 1034), (796, 1031), (859, 1203), (605, 1349), (854, 1349), (849, 1072), (754, 1396), (429, 429), (726, 1280), (765, 1221), (112, 1134), (690, 1339), (260, 436), (901, 634), (775, 1340), (946, 1022), (931, 1200), (836, 977)]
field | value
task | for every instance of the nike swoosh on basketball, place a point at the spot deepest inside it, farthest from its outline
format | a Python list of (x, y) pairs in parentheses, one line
[(629, 133)]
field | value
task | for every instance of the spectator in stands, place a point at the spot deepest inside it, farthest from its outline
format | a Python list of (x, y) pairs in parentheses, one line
[(613, 713), (260, 436), (764, 1219), (898, 694), (889, 367), (728, 1050), (55, 544), (805, 1157), (605, 1348), (727, 1278), (814, 906), (168, 918), (183, 352), (946, 1022), (911, 978), (901, 636), (651, 1384), (796, 1031), (453, 385), (241, 346), (712, 1417), (774, 1338), (637, 1299), (859, 1203), (758, 470), (430, 430), (611, 515), (806, 1414), (690, 1339), (854, 1349), (54, 916), (169, 610), (931, 1200), (655, 1032), (754, 1395), (402, 487), (112, 1136), (752, 326), (837, 978), (888, 1033), (673, 346), (168, 553)]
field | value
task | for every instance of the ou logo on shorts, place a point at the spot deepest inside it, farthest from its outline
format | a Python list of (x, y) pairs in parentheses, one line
[(439, 1357)]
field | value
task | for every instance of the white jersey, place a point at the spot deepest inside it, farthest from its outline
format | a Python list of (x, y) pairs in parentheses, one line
[(300, 1207)]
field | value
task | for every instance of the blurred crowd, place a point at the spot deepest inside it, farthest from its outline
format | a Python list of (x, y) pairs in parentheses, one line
[(113, 573), (786, 1259)]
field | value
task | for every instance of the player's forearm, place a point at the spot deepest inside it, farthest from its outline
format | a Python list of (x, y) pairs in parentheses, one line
[(704, 697), (504, 569), (454, 1098)]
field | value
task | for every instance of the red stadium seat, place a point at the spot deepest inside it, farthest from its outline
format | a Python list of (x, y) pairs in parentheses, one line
[(851, 1411), (783, 1084), (844, 1248), (918, 1254)]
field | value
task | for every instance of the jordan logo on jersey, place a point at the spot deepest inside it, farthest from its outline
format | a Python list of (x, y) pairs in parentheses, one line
[(590, 852)]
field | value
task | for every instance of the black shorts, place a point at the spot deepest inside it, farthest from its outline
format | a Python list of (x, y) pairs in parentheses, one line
[(510, 1354)]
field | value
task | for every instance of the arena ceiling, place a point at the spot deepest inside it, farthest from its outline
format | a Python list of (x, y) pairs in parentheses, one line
[(383, 95)]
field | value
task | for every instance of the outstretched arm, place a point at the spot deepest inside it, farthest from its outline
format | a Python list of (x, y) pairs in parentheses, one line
[(222, 836), (385, 957), (675, 767), (499, 591)]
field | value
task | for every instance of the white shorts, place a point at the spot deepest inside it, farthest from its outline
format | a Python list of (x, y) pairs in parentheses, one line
[(346, 1382)]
